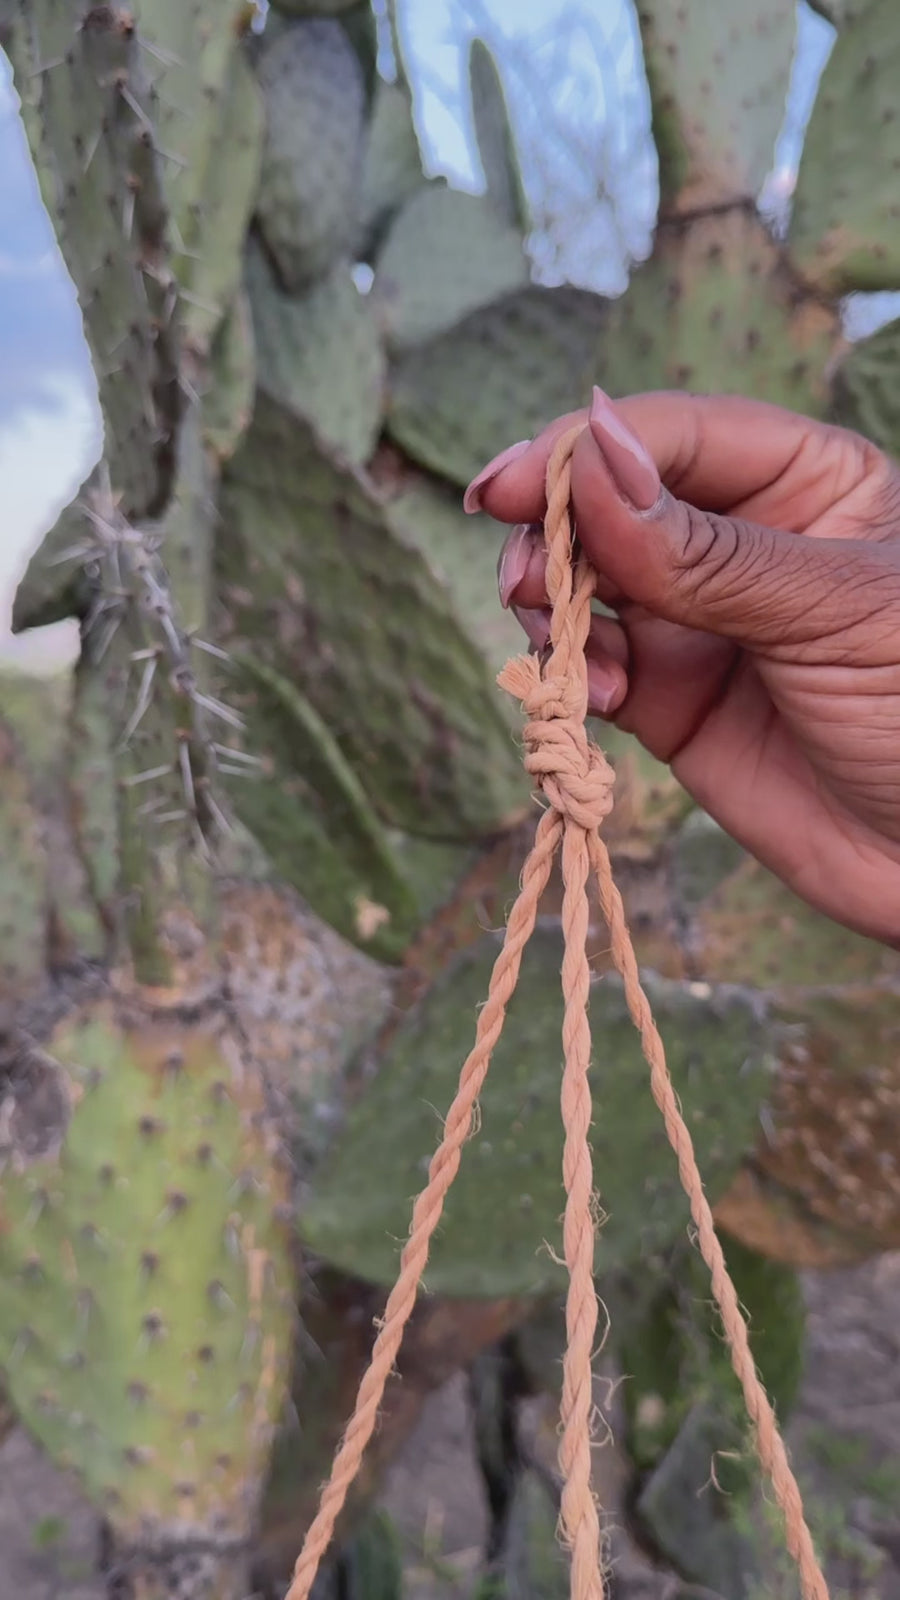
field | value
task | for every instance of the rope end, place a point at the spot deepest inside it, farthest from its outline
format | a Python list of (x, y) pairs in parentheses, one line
[(519, 676)]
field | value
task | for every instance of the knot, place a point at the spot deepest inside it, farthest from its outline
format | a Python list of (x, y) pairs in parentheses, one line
[(573, 772)]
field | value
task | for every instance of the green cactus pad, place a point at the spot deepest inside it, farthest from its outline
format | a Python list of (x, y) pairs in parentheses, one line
[(502, 1218), (207, 121), (55, 584), (25, 890), (228, 398), (87, 106), (37, 713), (714, 311), (392, 164), (670, 1347), (147, 1316), (718, 80), (445, 255), (144, 749), (845, 222), (462, 553), (311, 815), (343, 610), (501, 375), (496, 145), (865, 394), (312, 160), (211, 271), (320, 354)]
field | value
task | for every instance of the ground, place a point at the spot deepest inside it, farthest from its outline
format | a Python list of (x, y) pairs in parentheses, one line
[(844, 1436)]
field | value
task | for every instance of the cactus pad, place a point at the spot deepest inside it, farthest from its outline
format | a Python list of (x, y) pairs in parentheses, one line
[(718, 81), (865, 393), (228, 397), (313, 152), (714, 310), (25, 891), (321, 354), (335, 603), (844, 230), (147, 1317), (392, 164), (55, 584), (462, 552), (312, 818), (445, 255), (502, 374), (88, 106), (508, 1196), (496, 145), (211, 270)]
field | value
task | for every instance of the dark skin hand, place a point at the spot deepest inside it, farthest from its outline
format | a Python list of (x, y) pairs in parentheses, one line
[(751, 558)]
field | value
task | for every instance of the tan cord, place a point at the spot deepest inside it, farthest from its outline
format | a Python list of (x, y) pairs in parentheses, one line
[(577, 781)]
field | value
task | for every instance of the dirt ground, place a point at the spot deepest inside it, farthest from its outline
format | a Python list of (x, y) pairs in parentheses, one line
[(845, 1438)]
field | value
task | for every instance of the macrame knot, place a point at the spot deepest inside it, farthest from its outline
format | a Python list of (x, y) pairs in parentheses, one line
[(572, 772)]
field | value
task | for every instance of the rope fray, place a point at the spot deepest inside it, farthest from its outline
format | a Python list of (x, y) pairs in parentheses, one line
[(577, 782)]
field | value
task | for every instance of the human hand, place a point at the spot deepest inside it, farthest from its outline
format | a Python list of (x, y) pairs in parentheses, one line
[(751, 561)]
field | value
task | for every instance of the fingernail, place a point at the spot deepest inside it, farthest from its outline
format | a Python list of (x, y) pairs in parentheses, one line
[(472, 496), (604, 689), (536, 624), (514, 559), (631, 468)]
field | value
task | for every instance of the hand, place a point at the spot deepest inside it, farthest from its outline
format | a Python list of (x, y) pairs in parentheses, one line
[(750, 560)]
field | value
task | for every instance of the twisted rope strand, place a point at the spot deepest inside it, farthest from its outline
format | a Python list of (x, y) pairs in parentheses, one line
[(427, 1210), (577, 781), (579, 1520), (769, 1443)]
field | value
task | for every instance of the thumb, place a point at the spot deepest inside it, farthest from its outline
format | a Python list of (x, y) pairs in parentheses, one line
[(760, 587)]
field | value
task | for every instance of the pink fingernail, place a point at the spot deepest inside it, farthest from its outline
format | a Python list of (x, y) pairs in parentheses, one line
[(472, 496), (604, 689), (514, 559), (536, 624), (631, 468)]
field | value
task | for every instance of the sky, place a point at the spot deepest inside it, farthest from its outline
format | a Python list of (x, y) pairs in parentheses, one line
[(575, 81)]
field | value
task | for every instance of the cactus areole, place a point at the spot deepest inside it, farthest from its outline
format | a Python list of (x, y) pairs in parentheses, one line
[(577, 781)]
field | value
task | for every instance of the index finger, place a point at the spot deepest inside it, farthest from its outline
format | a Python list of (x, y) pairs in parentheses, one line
[(720, 452)]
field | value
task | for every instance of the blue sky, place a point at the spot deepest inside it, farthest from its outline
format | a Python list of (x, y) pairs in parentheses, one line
[(572, 69)]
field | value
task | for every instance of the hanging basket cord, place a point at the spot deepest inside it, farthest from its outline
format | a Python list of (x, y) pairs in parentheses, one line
[(577, 781)]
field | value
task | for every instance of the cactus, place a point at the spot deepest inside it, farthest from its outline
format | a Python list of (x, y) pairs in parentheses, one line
[(148, 1282), (496, 143), (277, 804), (843, 228), (312, 160), (445, 255), (718, 82), (513, 1175), (322, 355)]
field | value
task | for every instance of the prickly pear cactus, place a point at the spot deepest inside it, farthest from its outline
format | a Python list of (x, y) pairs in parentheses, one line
[(284, 800), (148, 1301)]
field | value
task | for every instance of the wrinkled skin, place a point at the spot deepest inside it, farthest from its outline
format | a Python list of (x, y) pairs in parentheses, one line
[(755, 641)]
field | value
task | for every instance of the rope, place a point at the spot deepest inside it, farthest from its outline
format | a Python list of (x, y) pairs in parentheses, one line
[(577, 782)]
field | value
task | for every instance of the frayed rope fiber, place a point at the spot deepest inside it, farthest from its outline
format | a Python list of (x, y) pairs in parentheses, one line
[(577, 782)]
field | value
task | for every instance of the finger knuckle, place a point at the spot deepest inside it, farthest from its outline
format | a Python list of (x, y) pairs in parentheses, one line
[(715, 551)]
